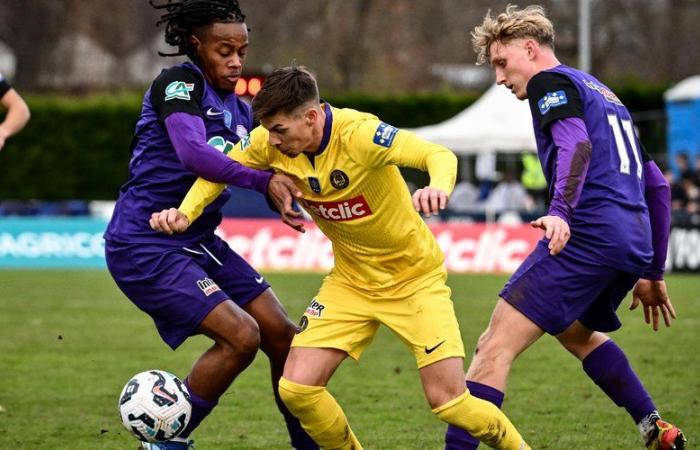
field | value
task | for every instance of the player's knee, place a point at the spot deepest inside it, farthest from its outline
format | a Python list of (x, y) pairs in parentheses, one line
[(244, 341), (299, 397), (492, 350), (444, 393)]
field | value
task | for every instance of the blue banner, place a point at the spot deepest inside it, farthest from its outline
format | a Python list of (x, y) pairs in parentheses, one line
[(40, 242)]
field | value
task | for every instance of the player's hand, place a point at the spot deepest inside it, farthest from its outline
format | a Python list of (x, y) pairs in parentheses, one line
[(169, 221), (429, 201), (556, 230), (653, 297), (282, 192)]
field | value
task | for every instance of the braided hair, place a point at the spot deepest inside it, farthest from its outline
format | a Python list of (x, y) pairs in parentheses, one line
[(185, 17)]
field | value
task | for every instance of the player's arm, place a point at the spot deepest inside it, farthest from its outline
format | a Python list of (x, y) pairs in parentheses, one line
[(17, 112), (650, 290), (250, 151), (382, 144), (176, 96), (563, 120)]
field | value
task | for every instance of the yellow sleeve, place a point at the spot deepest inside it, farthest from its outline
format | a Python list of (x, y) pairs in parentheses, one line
[(376, 144), (251, 151)]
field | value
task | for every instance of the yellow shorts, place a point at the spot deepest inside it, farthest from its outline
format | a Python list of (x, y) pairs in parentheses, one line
[(420, 313)]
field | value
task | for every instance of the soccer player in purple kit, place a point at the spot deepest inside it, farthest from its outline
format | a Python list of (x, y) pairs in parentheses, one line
[(193, 283), (606, 230)]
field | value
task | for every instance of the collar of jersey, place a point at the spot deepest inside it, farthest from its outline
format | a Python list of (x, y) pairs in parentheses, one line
[(327, 128)]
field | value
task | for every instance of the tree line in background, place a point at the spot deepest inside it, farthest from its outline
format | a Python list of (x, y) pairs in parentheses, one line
[(386, 46)]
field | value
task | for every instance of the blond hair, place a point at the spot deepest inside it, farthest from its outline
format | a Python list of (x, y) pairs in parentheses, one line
[(514, 23)]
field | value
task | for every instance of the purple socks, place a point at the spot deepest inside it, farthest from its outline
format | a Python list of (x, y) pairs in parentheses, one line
[(609, 368), (459, 439), (200, 409)]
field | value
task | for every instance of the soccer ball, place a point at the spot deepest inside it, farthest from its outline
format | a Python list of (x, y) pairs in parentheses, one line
[(155, 406)]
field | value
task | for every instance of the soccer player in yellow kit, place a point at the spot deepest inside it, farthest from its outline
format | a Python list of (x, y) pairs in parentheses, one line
[(388, 266)]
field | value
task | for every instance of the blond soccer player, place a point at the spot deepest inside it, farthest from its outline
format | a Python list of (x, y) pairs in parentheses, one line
[(388, 267)]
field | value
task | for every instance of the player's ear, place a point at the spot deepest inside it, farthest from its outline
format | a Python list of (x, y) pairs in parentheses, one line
[(531, 48), (195, 42), (310, 116)]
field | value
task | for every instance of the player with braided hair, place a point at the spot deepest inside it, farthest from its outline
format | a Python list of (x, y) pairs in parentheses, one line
[(193, 283)]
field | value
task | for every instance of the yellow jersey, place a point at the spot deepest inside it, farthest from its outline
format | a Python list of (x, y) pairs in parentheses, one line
[(356, 195)]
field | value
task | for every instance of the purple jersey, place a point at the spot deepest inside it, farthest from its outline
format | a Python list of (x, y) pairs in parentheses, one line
[(157, 177), (610, 224)]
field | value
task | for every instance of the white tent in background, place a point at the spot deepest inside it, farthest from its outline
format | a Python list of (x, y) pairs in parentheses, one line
[(496, 122)]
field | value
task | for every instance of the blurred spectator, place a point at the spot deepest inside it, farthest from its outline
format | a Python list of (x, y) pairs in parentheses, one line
[(682, 165), (464, 197), (17, 111), (679, 198), (533, 180), (486, 173), (509, 195), (692, 192)]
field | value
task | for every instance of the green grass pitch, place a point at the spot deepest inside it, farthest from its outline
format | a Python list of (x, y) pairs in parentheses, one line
[(69, 341)]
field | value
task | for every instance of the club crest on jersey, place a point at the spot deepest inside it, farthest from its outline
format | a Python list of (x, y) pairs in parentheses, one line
[(552, 100), (385, 134), (178, 90), (315, 309), (339, 179), (607, 94), (315, 185), (208, 286)]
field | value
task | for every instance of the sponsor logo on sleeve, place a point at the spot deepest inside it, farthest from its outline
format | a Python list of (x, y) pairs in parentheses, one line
[(208, 286), (385, 135), (339, 211), (552, 100), (178, 90)]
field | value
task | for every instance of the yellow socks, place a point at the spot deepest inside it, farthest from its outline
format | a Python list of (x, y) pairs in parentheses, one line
[(320, 415), (483, 420)]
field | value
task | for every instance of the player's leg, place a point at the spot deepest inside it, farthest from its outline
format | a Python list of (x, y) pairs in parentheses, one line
[(509, 333), (607, 365), (171, 285), (443, 383), (250, 291), (338, 322), (276, 333), (303, 389), (236, 340), (422, 315)]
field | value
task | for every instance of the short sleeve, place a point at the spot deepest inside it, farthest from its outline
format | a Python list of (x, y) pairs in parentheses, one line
[(177, 89), (553, 96)]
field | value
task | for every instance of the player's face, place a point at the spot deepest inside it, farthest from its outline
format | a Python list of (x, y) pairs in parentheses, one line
[(292, 134), (513, 64), (221, 49)]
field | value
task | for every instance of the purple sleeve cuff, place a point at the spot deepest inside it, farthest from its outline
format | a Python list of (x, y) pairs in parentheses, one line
[(657, 193), (188, 136), (573, 156)]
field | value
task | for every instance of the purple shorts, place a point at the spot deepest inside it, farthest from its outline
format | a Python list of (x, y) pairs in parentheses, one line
[(179, 286), (555, 291)]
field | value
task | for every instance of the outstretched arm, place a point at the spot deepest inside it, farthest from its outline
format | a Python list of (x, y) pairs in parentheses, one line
[(17, 115)]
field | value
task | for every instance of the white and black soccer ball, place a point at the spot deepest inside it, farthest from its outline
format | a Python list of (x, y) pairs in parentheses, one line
[(155, 406)]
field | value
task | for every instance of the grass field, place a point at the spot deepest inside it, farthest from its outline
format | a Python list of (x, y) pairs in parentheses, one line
[(69, 341)]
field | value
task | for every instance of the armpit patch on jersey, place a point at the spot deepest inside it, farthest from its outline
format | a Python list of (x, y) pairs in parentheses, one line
[(178, 90), (385, 134), (552, 100)]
